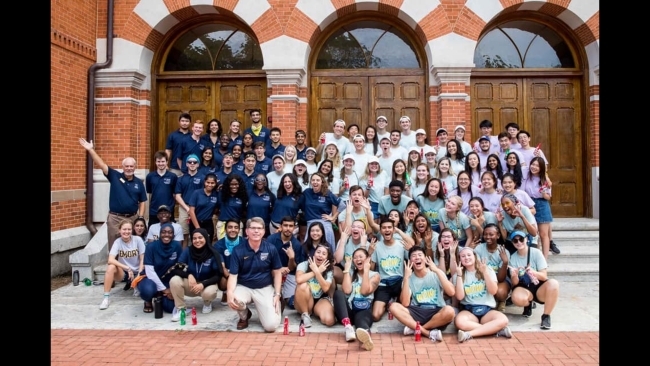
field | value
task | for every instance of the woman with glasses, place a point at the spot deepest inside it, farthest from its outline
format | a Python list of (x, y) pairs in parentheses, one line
[(465, 189), (261, 202)]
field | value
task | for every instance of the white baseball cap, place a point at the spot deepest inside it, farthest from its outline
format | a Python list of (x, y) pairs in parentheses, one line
[(421, 130), (348, 156)]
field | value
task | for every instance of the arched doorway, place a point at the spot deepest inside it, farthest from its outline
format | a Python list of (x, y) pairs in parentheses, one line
[(213, 70), (363, 69), (528, 71)]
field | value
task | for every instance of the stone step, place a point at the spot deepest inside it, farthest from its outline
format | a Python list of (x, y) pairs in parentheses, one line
[(585, 237), (575, 272), (575, 254), (575, 224)]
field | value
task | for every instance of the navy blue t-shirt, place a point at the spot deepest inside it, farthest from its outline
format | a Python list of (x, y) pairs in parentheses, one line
[(260, 205), (200, 271), (187, 184), (203, 204), (249, 180), (285, 206), (253, 269), (162, 189), (314, 205), (302, 154), (276, 241), (125, 195), (237, 141)]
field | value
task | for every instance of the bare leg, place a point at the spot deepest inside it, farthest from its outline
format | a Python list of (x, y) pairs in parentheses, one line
[(490, 323), (548, 293)]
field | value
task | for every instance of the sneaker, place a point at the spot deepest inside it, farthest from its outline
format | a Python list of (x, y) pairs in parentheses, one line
[(546, 322), (408, 331), (462, 336), (364, 337), (136, 292), (207, 309), (435, 335), (224, 299), (505, 332), (534, 305), (350, 334), (554, 248), (528, 311), (106, 301), (501, 306), (176, 314), (509, 301), (306, 319)]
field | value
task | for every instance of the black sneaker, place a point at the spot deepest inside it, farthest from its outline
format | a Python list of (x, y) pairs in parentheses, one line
[(528, 311), (533, 305), (509, 301), (554, 248), (546, 322)]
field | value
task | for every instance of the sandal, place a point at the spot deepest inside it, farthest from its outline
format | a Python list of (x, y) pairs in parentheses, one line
[(148, 307)]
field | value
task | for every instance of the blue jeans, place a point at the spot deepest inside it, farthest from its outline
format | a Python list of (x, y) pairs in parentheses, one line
[(148, 291)]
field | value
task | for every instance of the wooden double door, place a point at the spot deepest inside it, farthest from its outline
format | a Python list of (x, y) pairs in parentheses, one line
[(359, 97), (550, 110), (205, 99)]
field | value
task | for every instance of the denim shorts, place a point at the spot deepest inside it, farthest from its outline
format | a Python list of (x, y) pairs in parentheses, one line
[(374, 207), (542, 211)]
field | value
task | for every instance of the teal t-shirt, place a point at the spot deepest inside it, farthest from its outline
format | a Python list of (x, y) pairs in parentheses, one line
[(493, 260), (458, 225), (426, 292), (349, 248), (356, 296), (537, 261), (316, 290), (490, 218), (430, 208), (475, 290), (511, 224), (389, 260)]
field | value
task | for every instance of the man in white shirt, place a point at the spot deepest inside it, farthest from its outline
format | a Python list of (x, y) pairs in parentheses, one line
[(485, 149), (381, 124), (337, 137), (513, 130), (360, 155), (395, 147), (486, 130), (421, 143), (386, 157), (505, 149), (441, 143), (407, 138), (164, 215)]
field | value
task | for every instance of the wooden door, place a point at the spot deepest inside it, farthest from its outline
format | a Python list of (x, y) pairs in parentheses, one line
[(359, 98), (206, 99), (549, 109)]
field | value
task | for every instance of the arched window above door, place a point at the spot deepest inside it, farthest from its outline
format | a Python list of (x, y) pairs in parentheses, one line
[(212, 47), (523, 44), (367, 45)]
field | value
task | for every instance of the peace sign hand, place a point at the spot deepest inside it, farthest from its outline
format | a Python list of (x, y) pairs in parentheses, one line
[(408, 268)]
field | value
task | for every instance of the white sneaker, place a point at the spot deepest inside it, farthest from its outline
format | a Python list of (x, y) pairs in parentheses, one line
[(104, 304), (435, 335), (364, 337), (207, 309), (463, 336), (306, 319), (505, 332), (350, 335), (176, 314), (408, 331)]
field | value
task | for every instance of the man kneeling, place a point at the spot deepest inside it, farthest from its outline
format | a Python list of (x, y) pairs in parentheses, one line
[(422, 299)]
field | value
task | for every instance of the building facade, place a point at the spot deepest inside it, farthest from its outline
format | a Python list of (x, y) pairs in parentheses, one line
[(306, 63)]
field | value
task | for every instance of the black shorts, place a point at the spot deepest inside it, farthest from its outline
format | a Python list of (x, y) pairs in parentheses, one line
[(385, 293), (422, 315), (533, 289)]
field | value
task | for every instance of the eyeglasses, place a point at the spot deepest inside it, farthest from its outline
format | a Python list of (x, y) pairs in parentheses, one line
[(192, 162), (517, 239), (256, 228)]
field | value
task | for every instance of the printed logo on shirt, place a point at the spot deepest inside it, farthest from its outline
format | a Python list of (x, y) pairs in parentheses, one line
[(426, 296), (135, 186), (264, 256), (213, 199), (173, 256), (390, 263), (227, 253), (266, 197), (128, 253), (475, 290), (238, 201), (321, 199), (201, 146), (167, 181), (315, 288), (207, 262), (240, 168), (196, 180)]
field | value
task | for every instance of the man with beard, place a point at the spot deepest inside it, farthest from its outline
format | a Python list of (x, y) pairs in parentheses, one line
[(291, 254)]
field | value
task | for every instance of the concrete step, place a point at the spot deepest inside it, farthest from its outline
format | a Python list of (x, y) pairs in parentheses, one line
[(575, 254), (575, 224), (577, 237), (575, 272)]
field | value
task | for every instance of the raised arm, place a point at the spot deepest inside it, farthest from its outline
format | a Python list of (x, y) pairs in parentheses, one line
[(90, 147)]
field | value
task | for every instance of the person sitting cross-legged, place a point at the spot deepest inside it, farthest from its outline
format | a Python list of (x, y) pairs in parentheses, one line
[(422, 298)]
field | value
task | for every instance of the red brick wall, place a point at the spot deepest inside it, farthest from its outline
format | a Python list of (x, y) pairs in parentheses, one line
[(72, 52)]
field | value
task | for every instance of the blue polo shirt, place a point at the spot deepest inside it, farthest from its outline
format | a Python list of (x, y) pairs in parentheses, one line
[(302, 154), (207, 141), (174, 141), (191, 146), (260, 205), (239, 168), (162, 257), (205, 169), (276, 241), (187, 184), (236, 141), (125, 195), (231, 208), (253, 269), (272, 151), (249, 180), (264, 166), (225, 251), (314, 205), (200, 271), (203, 204), (162, 189), (285, 206), (218, 156), (221, 176), (264, 136)]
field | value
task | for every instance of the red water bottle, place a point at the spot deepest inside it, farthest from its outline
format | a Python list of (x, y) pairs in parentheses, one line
[(286, 325), (537, 148), (390, 315), (418, 332), (194, 320), (543, 187), (444, 187), (322, 140), (346, 183), (437, 142), (301, 329), (421, 153), (370, 181)]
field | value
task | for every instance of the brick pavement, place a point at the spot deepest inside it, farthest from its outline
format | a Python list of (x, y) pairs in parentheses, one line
[(177, 348)]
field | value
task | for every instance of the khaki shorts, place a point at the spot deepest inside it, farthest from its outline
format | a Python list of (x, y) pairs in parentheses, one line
[(183, 216)]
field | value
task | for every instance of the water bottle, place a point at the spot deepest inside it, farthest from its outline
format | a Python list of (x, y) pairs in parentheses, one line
[(532, 276), (194, 320), (390, 315), (286, 325), (418, 332), (75, 278), (370, 181), (157, 307), (301, 329), (183, 316)]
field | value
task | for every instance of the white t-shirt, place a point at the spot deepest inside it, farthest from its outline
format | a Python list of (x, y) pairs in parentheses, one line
[(129, 253)]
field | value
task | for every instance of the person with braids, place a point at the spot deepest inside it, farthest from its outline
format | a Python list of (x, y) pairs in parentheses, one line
[(476, 285), (314, 279), (233, 201)]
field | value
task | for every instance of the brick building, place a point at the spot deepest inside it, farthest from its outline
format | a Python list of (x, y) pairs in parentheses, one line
[(306, 63)]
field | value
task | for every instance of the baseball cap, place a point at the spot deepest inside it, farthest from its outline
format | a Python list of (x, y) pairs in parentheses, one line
[(192, 156), (517, 233), (484, 138), (359, 136), (348, 156), (459, 127), (382, 117), (300, 161), (278, 156), (310, 149), (163, 208), (438, 131), (420, 130), (373, 159)]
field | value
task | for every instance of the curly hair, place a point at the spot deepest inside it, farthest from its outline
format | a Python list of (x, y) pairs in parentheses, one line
[(241, 193), (297, 189)]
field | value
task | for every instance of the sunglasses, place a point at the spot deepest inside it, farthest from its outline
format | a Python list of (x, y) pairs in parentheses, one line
[(517, 239), (192, 162)]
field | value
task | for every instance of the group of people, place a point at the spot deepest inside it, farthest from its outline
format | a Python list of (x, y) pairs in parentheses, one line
[(356, 227)]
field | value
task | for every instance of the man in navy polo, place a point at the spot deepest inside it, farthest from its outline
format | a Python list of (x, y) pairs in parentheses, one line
[(259, 132), (192, 144), (256, 276), (263, 164), (291, 254), (160, 185), (174, 141), (127, 195), (274, 147), (185, 186)]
